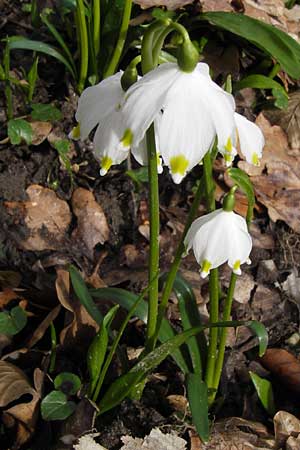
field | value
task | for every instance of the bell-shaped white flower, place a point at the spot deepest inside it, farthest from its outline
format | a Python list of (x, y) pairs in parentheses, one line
[(251, 140), (100, 106), (194, 111), (219, 237)]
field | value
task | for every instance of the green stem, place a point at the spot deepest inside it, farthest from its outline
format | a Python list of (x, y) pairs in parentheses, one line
[(84, 45), (150, 39), (213, 277), (168, 286), (222, 344), (53, 348), (154, 240), (96, 26), (121, 40)]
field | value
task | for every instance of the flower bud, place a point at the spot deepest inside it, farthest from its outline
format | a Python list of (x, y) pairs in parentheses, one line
[(229, 200), (187, 56)]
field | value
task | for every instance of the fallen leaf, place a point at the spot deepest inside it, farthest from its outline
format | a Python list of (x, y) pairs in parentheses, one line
[(285, 425), (283, 365), (169, 4), (292, 287), (40, 131), (178, 403), (92, 226), (292, 443), (235, 433), (43, 326), (46, 217), (81, 328), (155, 440), (80, 422), (13, 385), (88, 442), (277, 180)]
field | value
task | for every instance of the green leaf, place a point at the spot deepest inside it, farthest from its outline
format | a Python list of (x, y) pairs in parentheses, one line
[(32, 78), (263, 82), (190, 317), (68, 383), (260, 330), (139, 176), (63, 147), (98, 348), (12, 322), (265, 392), (244, 183), (120, 388), (282, 100), (270, 39), (21, 43), (84, 295), (55, 406), (126, 300), (198, 401), (45, 113), (18, 130), (161, 14)]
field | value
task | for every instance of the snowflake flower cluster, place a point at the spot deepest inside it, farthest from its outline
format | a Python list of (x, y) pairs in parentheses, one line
[(189, 111)]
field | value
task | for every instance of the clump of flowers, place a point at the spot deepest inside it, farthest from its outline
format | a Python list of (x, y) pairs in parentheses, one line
[(176, 115)]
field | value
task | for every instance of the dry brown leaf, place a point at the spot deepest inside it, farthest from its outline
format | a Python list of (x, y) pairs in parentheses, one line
[(40, 131), (47, 218), (169, 4), (292, 443), (43, 326), (23, 416), (13, 383), (156, 440), (92, 226), (277, 180), (82, 327), (284, 365), (289, 119), (285, 425), (178, 403), (235, 433)]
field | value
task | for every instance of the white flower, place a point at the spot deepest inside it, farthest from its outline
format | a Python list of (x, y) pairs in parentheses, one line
[(100, 106), (251, 141), (195, 111), (218, 237)]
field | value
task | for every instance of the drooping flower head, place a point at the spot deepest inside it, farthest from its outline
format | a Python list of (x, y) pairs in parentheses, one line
[(195, 110), (101, 106), (219, 237), (250, 138)]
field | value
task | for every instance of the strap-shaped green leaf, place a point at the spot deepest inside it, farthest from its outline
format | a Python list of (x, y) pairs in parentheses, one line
[(21, 43), (259, 329), (264, 391), (244, 183), (262, 82), (84, 295), (270, 39), (126, 300), (198, 401)]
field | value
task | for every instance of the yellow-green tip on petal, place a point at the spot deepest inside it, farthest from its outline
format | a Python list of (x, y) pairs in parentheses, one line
[(255, 159), (205, 268), (127, 138), (236, 267), (75, 133), (178, 166), (106, 163), (228, 147)]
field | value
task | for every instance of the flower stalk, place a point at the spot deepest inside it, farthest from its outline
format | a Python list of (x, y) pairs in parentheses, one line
[(121, 40), (223, 336), (84, 45)]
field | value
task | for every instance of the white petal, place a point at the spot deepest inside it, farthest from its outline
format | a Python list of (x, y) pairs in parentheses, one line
[(251, 139), (146, 98), (107, 147), (140, 152), (96, 102), (221, 107), (186, 130), (195, 227)]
